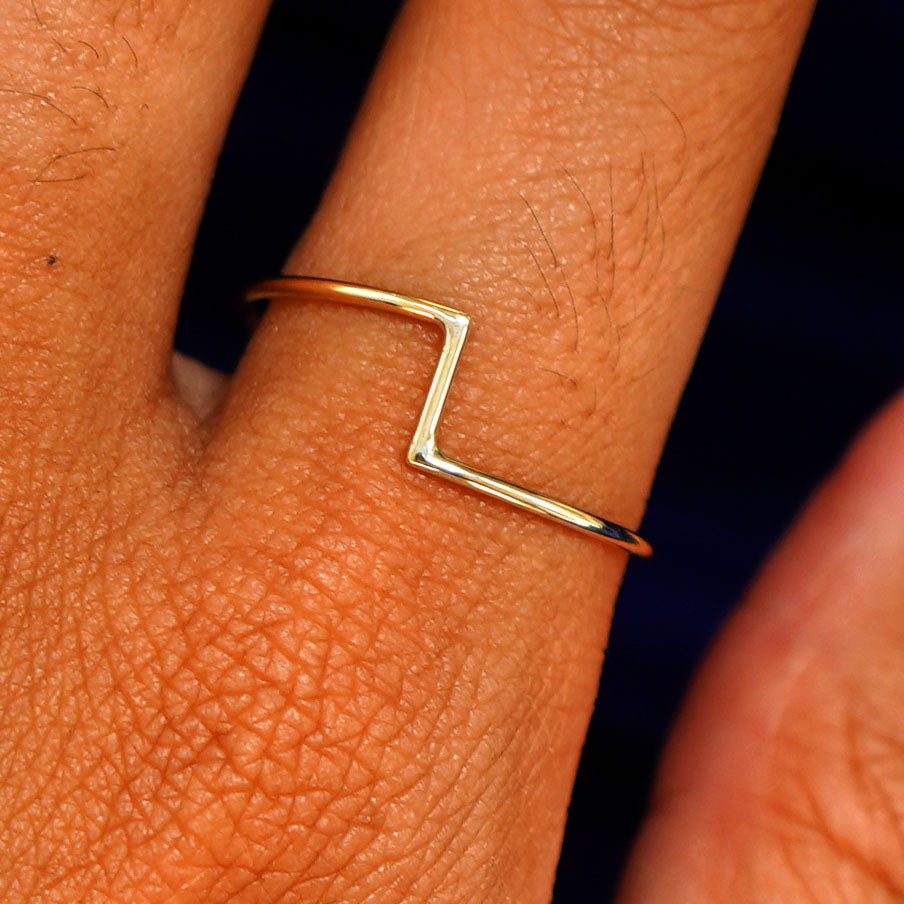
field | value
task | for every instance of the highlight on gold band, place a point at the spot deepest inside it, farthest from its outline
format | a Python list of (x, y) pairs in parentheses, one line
[(423, 452)]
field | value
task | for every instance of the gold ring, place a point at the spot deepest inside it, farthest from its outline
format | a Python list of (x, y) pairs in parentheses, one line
[(423, 452)]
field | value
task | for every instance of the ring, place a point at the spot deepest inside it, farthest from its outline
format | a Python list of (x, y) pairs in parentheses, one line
[(423, 452)]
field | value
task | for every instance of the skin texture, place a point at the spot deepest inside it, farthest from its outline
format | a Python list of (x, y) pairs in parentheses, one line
[(245, 654)]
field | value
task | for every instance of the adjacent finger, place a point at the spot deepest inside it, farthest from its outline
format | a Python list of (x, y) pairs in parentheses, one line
[(573, 176), (783, 781), (112, 117)]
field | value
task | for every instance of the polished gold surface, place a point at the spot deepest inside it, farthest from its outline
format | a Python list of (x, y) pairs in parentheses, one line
[(423, 452)]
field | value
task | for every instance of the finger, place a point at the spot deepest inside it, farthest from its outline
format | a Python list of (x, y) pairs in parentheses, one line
[(200, 387), (783, 781), (573, 176), (113, 113)]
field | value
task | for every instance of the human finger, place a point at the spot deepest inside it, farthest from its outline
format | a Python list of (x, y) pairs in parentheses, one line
[(573, 176), (783, 777), (113, 114)]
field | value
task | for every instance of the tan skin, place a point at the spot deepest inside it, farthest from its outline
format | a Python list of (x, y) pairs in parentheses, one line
[(245, 654)]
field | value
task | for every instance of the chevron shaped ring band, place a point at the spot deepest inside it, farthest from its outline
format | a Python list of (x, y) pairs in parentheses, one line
[(423, 452)]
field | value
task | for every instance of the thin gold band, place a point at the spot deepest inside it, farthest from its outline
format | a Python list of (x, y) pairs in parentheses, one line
[(423, 452)]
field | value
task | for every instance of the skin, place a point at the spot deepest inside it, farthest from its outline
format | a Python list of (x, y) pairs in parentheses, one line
[(245, 654)]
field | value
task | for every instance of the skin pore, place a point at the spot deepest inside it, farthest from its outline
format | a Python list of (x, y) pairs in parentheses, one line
[(245, 654)]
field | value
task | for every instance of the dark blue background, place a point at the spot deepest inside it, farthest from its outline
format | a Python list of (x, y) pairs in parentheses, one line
[(805, 344)]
